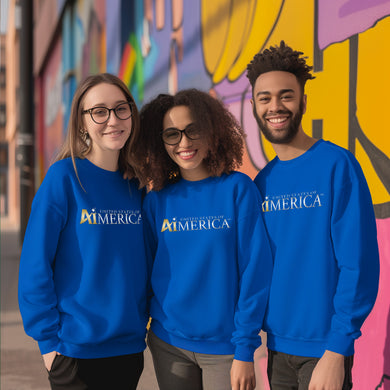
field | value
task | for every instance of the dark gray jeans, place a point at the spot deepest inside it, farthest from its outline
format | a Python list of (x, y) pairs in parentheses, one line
[(290, 372), (179, 369)]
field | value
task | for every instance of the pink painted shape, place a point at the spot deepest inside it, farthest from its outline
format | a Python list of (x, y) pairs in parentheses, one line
[(234, 88), (253, 135), (340, 19), (236, 96), (372, 349), (260, 360)]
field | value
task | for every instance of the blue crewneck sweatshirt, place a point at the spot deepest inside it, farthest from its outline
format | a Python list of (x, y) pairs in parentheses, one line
[(319, 215), (83, 273), (212, 264)]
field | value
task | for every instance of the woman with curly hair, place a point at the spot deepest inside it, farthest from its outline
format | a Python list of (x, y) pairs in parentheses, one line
[(205, 236)]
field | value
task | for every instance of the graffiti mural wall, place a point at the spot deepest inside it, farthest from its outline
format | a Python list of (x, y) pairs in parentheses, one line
[(165, 45), (342, 41)]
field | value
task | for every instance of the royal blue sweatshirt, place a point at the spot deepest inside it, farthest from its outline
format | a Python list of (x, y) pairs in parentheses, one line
[(212, 264), (319, 216), (83, 273)]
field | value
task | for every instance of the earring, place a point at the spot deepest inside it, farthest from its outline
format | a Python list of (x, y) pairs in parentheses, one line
[(84, 136)]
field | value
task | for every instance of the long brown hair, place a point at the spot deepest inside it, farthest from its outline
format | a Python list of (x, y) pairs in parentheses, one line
[(76, 145)]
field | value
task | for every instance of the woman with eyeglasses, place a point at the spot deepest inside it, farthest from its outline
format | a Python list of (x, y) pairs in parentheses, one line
[(83, 273), (205, 236)]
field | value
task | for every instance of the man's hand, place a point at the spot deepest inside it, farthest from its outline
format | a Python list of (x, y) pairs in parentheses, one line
[(48, 359), (329, 372), (242, 375)]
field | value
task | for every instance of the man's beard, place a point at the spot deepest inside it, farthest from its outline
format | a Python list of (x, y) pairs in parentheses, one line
[(289, 134)]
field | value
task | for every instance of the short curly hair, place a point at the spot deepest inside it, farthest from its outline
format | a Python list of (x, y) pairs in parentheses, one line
[(225, 138), (282, 58)]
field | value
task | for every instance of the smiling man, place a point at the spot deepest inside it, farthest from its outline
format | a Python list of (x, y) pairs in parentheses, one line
[(319, 215)]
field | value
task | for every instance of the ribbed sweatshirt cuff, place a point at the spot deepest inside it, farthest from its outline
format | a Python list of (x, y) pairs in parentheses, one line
[(244, 353), (341, 344)]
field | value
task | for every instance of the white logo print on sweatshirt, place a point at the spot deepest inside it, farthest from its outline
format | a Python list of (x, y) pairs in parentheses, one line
[(111, 217), (285, 202), (195, 223)]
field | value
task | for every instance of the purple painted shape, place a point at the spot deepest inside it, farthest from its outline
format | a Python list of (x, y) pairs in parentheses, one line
[(352, 6), (227, 88), (113, 35), (236, 95), (191, 70), (340, 19)]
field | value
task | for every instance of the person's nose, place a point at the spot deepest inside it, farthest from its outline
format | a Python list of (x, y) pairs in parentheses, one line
[(275, 105), (112, 119), (185, 141)]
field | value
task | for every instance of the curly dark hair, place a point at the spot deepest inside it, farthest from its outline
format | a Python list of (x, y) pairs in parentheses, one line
[(225, 138), (282, 58)]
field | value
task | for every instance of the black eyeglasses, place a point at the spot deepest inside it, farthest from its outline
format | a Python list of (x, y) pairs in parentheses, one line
[(101, 115), (173, 136)]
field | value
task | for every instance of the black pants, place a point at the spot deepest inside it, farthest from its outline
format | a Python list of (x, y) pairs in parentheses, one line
[(118, 372)]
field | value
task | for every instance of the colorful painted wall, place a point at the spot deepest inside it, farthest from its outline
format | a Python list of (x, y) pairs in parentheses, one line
[(167, 45)]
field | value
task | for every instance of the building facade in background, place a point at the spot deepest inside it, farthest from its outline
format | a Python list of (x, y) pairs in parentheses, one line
[(10, 191), (159, 46), (3, 142)]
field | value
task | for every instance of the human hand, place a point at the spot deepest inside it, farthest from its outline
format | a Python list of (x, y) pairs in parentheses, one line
[(242, 375), (48, 359), (329, 372)]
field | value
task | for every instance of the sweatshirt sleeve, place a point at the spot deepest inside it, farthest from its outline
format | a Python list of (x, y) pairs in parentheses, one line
[(354, 237), (36, 290), (255, 272)]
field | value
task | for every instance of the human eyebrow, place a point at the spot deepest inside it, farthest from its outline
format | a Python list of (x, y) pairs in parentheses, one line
[(175, 128), (287, 90), (262, 93), (104, 105), (281, 92)]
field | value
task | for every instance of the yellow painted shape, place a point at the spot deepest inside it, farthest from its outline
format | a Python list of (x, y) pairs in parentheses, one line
[(129, 68), (373, 85), (296, 28), (215, 26), (379, 193), (328, 95), (232, 32), (258, 29), (239, 23)]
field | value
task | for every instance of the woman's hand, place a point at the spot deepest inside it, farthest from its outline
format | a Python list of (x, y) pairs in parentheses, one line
[(48, 359), (242, 375)]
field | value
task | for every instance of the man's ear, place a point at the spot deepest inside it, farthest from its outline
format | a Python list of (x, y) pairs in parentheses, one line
[(304, 103)]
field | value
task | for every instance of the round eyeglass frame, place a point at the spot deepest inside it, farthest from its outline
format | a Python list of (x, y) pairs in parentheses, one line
[(90, 111), (181, 135)]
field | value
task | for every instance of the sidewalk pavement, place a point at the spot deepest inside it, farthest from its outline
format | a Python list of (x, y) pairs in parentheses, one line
[(20, 361)]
